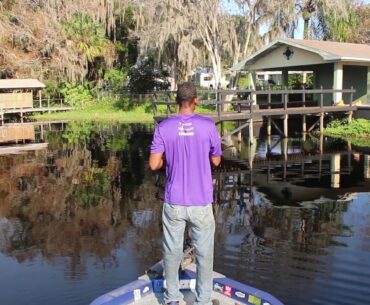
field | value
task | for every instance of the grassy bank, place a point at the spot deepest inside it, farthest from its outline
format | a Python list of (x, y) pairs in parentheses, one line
[(101, 113), (357, 132), (113, 111)]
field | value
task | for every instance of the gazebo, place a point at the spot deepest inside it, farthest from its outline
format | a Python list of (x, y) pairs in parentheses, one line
[(335, 65)]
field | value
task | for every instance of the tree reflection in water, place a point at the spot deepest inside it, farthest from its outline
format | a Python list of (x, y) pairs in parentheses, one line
[(77, 197)]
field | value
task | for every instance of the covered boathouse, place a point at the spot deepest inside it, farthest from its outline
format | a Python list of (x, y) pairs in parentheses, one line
[(18, 93), (335, 65), (340, 86)]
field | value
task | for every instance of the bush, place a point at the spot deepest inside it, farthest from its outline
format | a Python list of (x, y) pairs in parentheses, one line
[(52, 89), (114, 80), (243, 82), (77, 95), (146, 77), (359, 128)]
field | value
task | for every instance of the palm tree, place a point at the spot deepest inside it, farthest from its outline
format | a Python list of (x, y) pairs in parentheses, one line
[(88, 36)]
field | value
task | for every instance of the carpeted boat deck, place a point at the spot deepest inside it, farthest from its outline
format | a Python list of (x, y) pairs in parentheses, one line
[(188, 295), (157, 299)]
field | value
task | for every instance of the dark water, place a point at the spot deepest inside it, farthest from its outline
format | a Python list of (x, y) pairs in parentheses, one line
[(82, 216)]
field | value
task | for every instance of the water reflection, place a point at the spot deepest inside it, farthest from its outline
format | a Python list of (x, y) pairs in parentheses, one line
[(73, 188), (84, 213)]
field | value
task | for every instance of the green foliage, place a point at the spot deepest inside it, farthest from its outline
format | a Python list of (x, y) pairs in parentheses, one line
[(341, 123), (126, 46), (114, 79), (77, 95), (243, 82), (147, 77), (52, 89), (94, 186), (107, 111), (341, 29), (359, 142), (88, 35), (309, 145), (78, 132), (295, 81), (356, 131), (116, 144)]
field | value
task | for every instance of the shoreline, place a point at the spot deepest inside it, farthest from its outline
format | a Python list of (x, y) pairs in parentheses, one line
[(100, 114), (357, 132)]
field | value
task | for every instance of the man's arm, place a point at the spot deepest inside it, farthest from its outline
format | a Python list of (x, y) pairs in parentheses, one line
[(157, 150), (216, 160), (156, 161), (215, 147)]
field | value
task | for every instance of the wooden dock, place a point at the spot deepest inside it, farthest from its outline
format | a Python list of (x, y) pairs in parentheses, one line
[(260, 114), (39, 106), (248, 106)]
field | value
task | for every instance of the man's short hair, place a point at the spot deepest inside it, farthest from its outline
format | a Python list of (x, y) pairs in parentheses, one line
[(186, 92)]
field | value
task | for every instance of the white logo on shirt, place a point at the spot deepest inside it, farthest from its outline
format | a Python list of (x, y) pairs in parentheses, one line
[(186, 129)]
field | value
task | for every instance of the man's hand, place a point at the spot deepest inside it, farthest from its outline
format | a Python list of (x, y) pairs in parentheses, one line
[(156, 161), (216, 160)]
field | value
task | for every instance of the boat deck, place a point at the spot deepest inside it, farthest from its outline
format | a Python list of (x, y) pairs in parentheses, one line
[(148, 290), (189, 297)]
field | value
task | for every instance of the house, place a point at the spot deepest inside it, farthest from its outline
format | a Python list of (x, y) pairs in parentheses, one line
[(203, 77), (335, 65)]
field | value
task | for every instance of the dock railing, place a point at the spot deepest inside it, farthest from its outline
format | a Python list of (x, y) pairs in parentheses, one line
[(50, 103), (217, 100), (38, 105), (247, 100)]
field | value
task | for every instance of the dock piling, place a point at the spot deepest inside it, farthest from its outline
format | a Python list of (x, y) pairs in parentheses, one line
[(285, 126), (269, 126), (321, 122), (250, 131)]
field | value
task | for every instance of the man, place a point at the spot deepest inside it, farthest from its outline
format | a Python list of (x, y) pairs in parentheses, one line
[(189, 143)]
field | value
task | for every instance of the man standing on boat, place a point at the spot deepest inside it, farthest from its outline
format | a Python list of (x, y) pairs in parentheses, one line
[(189, 143)]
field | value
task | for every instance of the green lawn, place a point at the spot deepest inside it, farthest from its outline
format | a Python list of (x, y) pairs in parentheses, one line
[(98, 114), (104, 112), (110, 112)]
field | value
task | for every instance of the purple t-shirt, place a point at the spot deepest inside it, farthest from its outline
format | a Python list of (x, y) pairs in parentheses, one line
[(188, 141)]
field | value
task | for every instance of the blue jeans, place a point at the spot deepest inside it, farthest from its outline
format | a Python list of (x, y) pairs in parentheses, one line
[(202, 228)]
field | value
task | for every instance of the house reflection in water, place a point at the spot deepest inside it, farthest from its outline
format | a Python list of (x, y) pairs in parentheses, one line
[(335, 170), (367, 166), (17, 133)]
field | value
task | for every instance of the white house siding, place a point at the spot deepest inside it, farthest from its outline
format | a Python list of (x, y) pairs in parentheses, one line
[(276, 59)]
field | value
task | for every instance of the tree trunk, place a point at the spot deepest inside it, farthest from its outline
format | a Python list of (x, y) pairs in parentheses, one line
[(216, 65), (306, 29), (174, 73)]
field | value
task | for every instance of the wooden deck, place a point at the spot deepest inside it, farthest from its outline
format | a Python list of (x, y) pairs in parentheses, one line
[(36, 109), (248, 106), (17, 149), (47, 105)]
